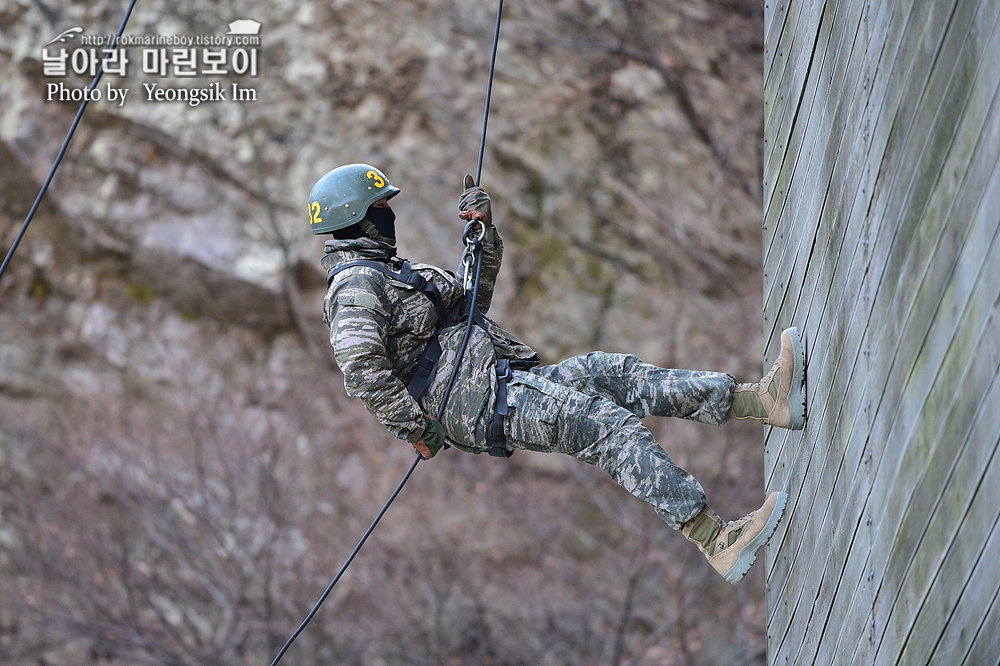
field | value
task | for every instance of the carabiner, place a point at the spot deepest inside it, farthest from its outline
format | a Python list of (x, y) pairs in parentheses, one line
[(468, 261), (467, 236)]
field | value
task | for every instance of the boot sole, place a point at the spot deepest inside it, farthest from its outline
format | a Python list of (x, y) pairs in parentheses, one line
[(796, 394), (748, 553)]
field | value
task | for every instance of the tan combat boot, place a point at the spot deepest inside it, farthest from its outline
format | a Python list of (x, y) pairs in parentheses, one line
[(778, 399), (732, 547)]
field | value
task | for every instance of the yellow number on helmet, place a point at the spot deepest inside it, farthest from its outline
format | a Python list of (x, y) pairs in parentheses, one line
[(314, 217), (373, 175)]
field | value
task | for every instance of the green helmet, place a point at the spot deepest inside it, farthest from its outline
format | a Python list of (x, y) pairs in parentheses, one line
[(342, 197)]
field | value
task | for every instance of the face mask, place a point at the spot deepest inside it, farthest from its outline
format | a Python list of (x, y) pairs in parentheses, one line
[(350, 233), (382, 223), (384, 220)]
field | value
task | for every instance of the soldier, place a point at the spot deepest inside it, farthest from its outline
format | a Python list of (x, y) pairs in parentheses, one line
[(396, 332)]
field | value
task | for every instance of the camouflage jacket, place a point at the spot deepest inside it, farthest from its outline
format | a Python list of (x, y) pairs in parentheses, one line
[(380, 327)]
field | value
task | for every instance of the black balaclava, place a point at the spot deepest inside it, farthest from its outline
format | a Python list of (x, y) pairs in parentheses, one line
[(382, 219)]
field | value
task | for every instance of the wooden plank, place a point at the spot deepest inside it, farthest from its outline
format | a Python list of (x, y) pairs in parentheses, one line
[(910, 560), (961, 617), (858, 134), (812, 444), (843, 615), (917, 375), (835, 539), (829, 450), (772, 632), (824, 134), (800, 54), (787, 51), (774, 205), (891, 289), (791, 183), (916, 350), (787, 95), (769, 267), (967, 614), (928, 18), (840, 460), (974, 485), (818, 126), (841, 165), (831, 265), (986, 648), (776, 24), (851, 136), (923, 237), (918, 551), (987, 148), (850, 456), (779, 168), (974, 615), (889, 508)]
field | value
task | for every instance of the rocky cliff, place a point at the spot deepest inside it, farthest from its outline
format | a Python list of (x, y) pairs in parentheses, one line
[(181, 469)]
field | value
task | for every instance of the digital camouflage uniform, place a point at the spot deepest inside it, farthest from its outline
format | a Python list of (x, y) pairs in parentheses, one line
[(587, 406)]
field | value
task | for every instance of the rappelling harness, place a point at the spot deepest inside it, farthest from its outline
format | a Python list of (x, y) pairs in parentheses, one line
[(463, 309)]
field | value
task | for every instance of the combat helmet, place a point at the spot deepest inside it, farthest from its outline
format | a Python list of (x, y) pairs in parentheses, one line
[(342, 196)]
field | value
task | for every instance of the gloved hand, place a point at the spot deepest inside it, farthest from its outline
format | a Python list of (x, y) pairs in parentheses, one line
[(474, 204), (432, 440)]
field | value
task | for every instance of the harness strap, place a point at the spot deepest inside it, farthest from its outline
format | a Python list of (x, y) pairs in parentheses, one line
[(427, 364), (421, 379), (496, 439), (445, 316)]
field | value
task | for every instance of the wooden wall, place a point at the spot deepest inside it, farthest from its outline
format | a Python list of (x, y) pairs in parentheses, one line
[(882, 201)]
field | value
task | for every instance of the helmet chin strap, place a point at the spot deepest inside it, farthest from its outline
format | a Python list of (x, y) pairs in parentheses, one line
[(372, 232)]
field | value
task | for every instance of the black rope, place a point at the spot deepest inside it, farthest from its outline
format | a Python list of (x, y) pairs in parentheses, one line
[(489, 93), (471, 311), (65, 144), (329, 588), (444, 401), (454, 373)]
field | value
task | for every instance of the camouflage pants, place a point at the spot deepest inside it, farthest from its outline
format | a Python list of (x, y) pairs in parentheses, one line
[(589, 407)]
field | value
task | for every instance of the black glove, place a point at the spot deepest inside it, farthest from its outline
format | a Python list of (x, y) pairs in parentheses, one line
[(432, 440), (475, 198)]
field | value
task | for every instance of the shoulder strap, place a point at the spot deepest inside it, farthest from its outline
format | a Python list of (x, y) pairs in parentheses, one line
[(446, 317), (428, 361), (360, 262)]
